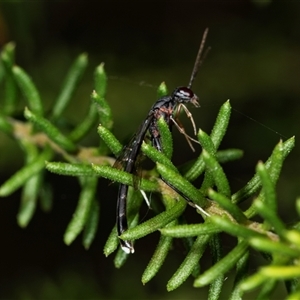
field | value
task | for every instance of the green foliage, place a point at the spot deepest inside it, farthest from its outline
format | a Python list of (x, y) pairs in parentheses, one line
[(43, 141)]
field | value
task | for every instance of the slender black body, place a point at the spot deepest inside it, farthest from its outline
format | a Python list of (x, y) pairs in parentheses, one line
[(163, 107)]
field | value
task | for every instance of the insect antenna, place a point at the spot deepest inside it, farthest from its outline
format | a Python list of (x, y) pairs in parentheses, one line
[(199, 60)]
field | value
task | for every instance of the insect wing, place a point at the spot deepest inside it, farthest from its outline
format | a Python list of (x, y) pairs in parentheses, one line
[(122, 161), (130, 156), (124, 155)]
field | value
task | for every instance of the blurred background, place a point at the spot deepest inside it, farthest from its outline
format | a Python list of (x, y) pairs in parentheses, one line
[(254, 61)]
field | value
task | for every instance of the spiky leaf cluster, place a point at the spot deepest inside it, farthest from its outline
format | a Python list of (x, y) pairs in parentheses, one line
[(49, 147)]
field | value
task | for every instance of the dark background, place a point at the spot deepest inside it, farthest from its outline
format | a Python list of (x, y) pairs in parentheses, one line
[(254, 62)]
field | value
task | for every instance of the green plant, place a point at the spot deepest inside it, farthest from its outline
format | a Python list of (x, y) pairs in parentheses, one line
[(42, 141)]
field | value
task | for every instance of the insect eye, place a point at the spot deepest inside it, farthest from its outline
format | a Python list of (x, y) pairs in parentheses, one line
[(184, 93)]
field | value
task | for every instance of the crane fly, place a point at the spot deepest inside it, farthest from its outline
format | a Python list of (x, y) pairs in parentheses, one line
[(167, 107)]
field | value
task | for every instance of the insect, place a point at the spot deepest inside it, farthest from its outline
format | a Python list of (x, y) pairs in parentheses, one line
[(166, 107)]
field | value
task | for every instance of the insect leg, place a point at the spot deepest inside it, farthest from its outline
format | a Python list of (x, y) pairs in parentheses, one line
[(130, 158), (190, 202), (122, 226), (189, 115), (145, 198), (187, 137)]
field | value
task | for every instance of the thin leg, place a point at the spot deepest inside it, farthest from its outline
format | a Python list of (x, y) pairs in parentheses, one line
[(190, 202), (188, 114), (145, 198), (122, 226), (182, 131)]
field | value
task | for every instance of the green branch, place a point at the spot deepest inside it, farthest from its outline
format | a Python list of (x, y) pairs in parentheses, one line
[(48, 145)]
